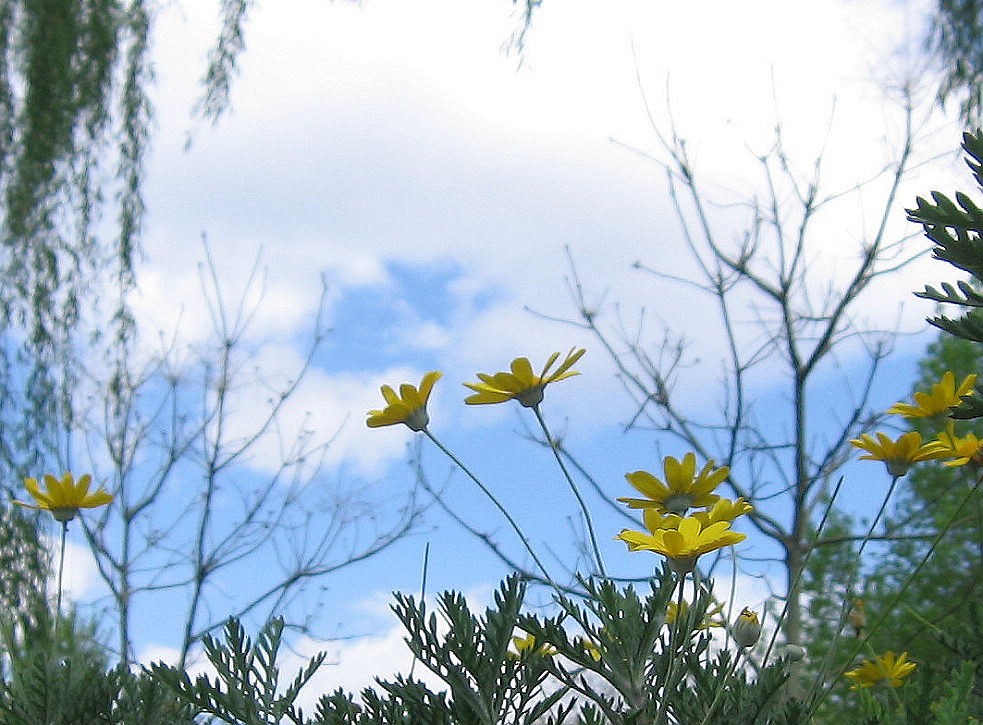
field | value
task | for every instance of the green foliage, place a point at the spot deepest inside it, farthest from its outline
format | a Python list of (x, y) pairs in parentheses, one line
[(957, 704), (24, 564), (72, 81), (222, 59), (60, 677), (931, 497), (488, 684), (640, 670), (633, 670), (247, 689), (955, 228), (922, 593), (956, 42), (627, 631), (830, 578), (744, 701)]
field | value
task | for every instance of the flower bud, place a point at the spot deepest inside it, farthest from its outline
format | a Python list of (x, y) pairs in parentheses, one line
[(794, 652), (746, 629)]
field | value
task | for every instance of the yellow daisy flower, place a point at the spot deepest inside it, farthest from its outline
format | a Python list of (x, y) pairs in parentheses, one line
[(655, 520), (409, 407), (527, 644), (944, 395), (961, 450), (684, 544), (522, 383), (885, 671), (683, 488), (589, 647), (672, 610), (900, 455), (63, 498), (723, 510)]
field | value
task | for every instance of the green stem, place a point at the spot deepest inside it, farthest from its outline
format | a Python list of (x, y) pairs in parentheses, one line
[(61, 572), (723, 684), (498, 505), (573, 487), (845, 608), (801, 572), (673, 650)]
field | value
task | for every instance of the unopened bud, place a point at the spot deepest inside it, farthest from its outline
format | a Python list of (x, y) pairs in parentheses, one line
[(747, 628), (794, 652)]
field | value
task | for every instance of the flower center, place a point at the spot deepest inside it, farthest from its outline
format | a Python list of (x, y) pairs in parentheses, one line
[(64, 513), (678, 503), (683, 565), (417, 419), (897, 467), (531, 397)]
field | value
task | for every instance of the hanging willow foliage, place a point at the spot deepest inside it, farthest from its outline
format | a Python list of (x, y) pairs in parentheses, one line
[(955, 42), (75, 122)]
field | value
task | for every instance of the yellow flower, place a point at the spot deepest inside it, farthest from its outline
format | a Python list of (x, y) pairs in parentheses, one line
[(899, 455), (724, 510), (654, 520), (409, 407), (683, 488), (684, 544), (944, 395), (589, 647), (65, 497), (746, 629), (708, 621), (522, 383), (527, 644), (962, 450), (884, 671)]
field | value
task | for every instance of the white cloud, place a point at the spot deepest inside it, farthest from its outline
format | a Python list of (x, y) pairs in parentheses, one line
[(351, 664), (329, 405)]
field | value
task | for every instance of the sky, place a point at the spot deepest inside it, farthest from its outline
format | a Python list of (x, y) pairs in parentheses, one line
[(435, 183)]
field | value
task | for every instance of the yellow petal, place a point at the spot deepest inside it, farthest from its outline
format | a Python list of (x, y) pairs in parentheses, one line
[(522, 369)]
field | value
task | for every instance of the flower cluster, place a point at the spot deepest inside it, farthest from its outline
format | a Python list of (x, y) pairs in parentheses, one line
[(670, 529), (409, 406), (900, 454)]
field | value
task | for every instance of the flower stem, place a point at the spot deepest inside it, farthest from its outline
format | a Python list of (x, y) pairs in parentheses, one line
[(722, 686), (552, 443), (798, 576), (845, 608), (498, 505), (61, 572), (673, 650)]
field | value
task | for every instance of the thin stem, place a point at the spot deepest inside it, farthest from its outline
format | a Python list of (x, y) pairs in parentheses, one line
[(723, 684), (573, 487), (61, 569), (845, 608), (801, 572), (673, 650), (423, 593), (494, 500)]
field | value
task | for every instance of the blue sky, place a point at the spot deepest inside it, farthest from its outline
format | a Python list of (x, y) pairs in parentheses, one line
[(394, 149)]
